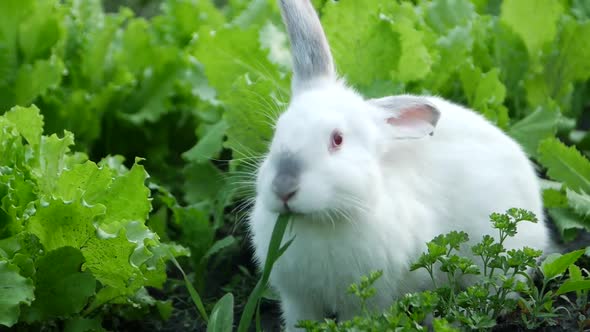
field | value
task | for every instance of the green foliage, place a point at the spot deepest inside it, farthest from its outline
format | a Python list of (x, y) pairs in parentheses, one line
[(572, 169), (72, 232), (194, 89), (364, 289), (16, 290)]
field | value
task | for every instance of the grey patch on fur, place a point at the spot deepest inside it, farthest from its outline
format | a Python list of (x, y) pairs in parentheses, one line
[(309, 47), (286, 180), (395, 103)]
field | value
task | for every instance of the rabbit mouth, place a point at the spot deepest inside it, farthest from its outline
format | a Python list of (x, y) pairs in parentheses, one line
[(328, 217), (287, 208)]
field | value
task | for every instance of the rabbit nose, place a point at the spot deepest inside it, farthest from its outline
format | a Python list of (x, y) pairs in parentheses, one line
[(285, 186)]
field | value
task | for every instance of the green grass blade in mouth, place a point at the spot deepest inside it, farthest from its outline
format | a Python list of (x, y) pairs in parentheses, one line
[(275, 250)]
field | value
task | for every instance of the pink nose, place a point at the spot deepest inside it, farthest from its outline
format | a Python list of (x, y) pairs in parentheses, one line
[(287, 196), (285, 187)]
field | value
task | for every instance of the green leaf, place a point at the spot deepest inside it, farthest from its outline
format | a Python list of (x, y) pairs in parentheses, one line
[(182, 18), (25, 263), (83, 181), (51, 160), (60, 224), (574, 53), (165, 308), (152, 98), (97, 42), (218, 246), (109, 261), (553, 198), (445, 15), (534, 20), (254, 14), (565, 164), (538, 125), (35, 79), (485, 93), (250, 85), (209, 145), (229, 53), (12, 12), (567, 221), (365, 46), (195, 224), (41, 31), (28, 122), (570, 62), (580, 202), (555, 264), (61, 287), (415, 61), (454, 47), (127, 198), (512, 59), (573, 286), (222, 315), (247, 115), (15, 290), (203, 182), (192, 291), (575, 273)]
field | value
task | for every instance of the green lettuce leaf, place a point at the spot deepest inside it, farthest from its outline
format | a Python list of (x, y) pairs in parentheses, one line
[(538, 125), (364, 45), (15, 290), (58, 223), (61, 287), (534, 20)]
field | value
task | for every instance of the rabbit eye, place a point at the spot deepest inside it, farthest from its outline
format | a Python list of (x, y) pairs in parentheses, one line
[(336, 139)]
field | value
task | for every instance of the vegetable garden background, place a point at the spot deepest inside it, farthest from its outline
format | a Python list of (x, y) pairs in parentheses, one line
[(94, 96)]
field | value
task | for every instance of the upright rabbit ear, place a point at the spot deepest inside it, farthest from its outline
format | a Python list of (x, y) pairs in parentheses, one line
[(312, 59), (410, 116)]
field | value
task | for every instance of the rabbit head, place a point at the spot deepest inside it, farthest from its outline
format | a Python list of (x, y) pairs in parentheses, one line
[(325, 155)]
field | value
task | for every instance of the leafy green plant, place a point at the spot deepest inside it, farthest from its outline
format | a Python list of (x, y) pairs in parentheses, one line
[(72, 232), (222, 315)]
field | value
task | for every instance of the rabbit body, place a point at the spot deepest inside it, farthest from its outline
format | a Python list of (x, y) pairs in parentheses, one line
[(369, 182), (394, 195)]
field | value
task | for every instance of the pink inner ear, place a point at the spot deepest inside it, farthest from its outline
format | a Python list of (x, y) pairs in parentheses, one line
[(411, 115)]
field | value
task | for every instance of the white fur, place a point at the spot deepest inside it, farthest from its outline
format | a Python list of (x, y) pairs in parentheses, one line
[(388, 197)]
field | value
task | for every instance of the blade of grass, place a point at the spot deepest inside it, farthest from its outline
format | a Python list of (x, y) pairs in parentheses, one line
[(258, 323), (192, 291), (274, 252), (222, 315)]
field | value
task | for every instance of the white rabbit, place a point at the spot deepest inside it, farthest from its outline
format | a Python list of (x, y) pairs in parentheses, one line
[(371, 181)]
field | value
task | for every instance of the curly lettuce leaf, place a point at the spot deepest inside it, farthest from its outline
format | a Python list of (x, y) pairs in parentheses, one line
[(28, 122), (60, 224), (127, 198)]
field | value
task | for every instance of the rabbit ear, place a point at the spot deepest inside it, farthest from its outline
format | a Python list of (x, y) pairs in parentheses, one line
[(311, 53), (410, 116)]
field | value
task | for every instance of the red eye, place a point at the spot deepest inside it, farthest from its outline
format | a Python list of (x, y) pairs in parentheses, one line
[(336, 139)]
